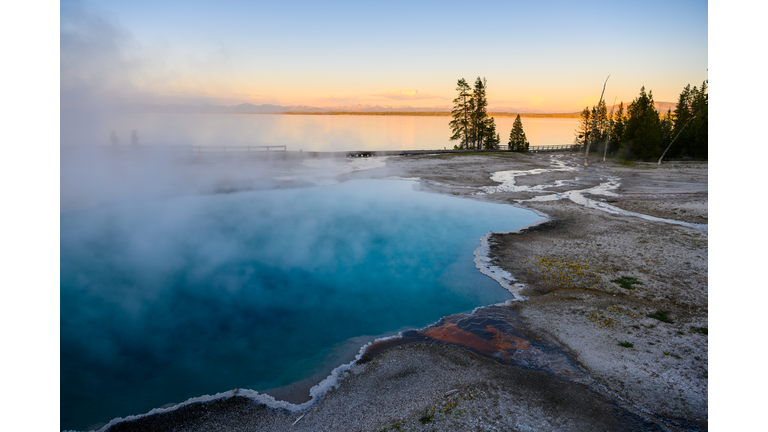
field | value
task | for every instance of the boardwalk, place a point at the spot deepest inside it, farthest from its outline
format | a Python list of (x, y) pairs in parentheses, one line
[(555, 147)]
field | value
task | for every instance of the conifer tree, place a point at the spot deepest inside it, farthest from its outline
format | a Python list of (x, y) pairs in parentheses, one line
[(584, 133), (601, 128), (666, 129), (609, 130), (462, 110), (470, 124), (478, 118), (517, 139), (642, 134), (585, 125), (690, 124), (699, 147), (492, 139), (683, 108), (617, 129)]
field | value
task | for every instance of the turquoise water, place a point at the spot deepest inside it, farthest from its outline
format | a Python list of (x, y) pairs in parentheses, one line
[(166, 300)]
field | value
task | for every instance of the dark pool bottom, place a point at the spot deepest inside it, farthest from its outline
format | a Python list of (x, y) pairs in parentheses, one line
[(494, 332)]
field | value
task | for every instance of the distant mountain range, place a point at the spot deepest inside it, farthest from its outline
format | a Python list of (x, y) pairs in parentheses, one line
[(205, 108), (247, 108)]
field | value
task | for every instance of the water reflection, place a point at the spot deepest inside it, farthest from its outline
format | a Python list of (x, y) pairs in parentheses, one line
[(298, 132)]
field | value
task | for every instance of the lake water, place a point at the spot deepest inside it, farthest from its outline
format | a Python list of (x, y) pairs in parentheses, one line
[(165, 300), (297, 132)]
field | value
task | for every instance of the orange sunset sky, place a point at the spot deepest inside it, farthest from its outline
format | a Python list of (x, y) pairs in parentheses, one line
[(536, 56)]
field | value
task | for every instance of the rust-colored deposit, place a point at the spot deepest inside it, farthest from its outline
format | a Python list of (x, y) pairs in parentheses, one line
[(496, 332), (501, 344)]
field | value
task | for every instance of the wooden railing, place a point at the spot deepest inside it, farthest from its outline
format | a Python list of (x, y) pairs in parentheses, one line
[(555, 147)]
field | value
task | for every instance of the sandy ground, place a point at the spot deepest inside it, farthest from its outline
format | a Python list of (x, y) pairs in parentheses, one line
[(570, 267)]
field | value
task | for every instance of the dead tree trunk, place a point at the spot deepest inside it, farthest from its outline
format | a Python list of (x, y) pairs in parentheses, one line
[(594, 124)]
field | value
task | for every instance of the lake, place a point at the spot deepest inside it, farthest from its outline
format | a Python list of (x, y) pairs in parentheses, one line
[(297, 132), (163, 300)]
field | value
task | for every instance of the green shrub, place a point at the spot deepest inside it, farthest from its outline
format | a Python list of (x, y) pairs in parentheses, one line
[(661, 315), (702, 330), (626, 282), (427, 417)]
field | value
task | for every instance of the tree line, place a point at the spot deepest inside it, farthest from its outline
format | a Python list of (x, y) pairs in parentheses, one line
[(473, 127), (642, 134)]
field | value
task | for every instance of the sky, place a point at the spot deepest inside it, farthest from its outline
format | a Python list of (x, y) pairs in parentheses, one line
[(540, 56)]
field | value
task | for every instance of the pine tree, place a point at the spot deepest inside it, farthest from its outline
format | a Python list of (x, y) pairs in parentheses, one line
[(601, 129), (666, 129), (683, 108), (585, 125), (617, 129), (479, 114), (690, 125), (471, 125), (517, 140), (462, 109), (642, 135), (680, 118), (492, 139), (700, 124)]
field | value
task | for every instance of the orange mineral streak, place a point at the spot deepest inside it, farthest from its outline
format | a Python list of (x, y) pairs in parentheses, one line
[(507, 343), (501, 343), (450, 332)]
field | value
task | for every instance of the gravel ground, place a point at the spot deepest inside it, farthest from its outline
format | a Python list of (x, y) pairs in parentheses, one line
[(624, 296)]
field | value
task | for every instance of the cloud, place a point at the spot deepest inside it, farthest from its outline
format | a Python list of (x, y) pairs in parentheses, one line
[(98, 58), (407, 95), (103, 64)]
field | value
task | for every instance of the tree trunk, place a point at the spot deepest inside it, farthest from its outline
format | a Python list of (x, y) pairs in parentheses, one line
[(594, 123)]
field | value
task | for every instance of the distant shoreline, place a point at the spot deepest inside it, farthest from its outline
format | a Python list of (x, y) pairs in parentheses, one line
[(410, 113)]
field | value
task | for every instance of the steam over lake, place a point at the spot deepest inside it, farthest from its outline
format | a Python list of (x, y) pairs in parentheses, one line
[(298, 132), (169, 292)]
